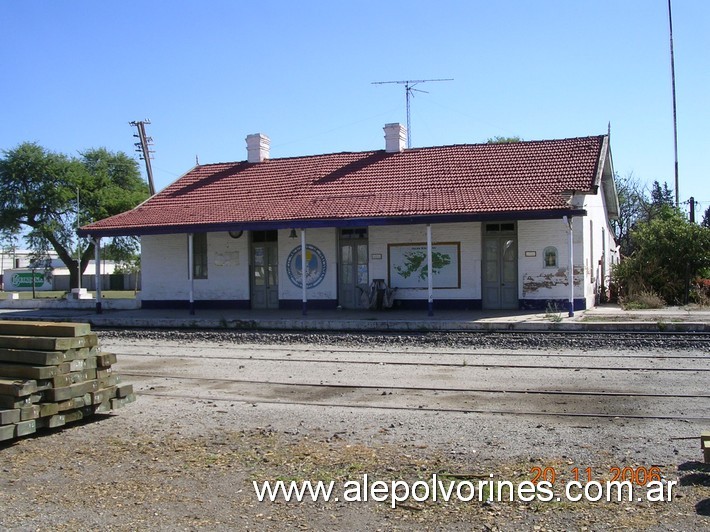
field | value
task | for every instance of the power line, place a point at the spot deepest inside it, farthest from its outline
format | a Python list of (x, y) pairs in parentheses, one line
[(409, 89)]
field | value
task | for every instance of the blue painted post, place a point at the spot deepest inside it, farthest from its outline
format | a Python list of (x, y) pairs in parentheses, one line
[(97, 273), (570, 270), (191, 272), (304, 265), (430, 274)]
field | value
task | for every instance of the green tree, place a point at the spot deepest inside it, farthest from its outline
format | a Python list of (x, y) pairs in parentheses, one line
[(633, 207), (503, 140), (706, 218), (662, 199), (669, 252), (50, 194)]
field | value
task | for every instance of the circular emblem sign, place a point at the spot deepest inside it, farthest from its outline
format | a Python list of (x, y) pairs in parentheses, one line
[(315, 266)]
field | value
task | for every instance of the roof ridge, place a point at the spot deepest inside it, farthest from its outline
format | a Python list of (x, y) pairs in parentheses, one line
[(407, 150)]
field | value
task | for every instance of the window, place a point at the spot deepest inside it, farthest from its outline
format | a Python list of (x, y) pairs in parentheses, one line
[(506, 227), (265, 236), (199, 256), (353, 234), (550, 257)]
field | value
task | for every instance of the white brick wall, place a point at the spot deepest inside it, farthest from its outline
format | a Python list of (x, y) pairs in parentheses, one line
[(536, 281), (164, 260), (469, 234), (164, 268), (593, 250), (325, 240)]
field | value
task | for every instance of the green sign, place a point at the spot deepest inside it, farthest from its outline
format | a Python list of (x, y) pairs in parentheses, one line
[(24, 280)]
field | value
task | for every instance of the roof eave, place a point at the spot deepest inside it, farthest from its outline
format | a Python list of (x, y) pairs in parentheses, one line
[(541, 214)]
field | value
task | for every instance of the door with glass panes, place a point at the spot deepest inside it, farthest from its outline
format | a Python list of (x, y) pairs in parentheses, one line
[(499, 270), (264, 270), (353, 274)]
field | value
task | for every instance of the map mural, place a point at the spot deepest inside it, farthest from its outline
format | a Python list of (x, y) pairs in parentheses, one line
[(408, 266)]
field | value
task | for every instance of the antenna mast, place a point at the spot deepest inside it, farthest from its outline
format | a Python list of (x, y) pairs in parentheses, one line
[(143, 147), (675, 120), (409, 89)]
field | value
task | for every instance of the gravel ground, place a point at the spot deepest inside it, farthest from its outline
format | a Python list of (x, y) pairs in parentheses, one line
[(187, 463)]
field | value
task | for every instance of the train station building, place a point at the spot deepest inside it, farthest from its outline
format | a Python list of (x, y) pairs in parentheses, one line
[(519, 225)]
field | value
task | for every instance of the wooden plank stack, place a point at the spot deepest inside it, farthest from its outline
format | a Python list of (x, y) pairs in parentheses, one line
[(52, 374)]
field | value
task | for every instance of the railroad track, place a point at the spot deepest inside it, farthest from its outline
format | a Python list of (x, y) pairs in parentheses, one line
[(337, 350), (631, 341), (349, 405), (425, 363), (612, 383)]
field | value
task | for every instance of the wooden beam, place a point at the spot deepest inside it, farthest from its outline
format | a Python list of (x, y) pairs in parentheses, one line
[(47, 343), (44, 328)]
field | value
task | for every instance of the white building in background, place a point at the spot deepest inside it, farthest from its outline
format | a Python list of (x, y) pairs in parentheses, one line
[(56, 277), (474, 226)]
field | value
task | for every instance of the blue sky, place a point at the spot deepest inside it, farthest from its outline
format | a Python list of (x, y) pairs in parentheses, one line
[(207, 73)]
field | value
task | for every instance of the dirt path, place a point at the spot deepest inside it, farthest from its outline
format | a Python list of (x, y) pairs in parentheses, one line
[(184, 456)]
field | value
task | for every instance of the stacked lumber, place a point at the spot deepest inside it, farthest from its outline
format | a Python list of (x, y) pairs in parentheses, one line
[(52, 374)]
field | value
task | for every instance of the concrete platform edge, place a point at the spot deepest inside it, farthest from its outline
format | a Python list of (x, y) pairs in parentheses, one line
[(104, 321)]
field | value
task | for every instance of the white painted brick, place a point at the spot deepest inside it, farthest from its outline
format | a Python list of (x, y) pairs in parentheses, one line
[(325, 240), (468, 234)]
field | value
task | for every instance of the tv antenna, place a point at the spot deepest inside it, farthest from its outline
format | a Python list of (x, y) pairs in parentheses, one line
[(409, 91), (143, 147)]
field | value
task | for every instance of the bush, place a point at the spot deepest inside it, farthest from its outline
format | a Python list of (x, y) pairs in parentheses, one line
[(644, 299), (701, 292), (669, 252)]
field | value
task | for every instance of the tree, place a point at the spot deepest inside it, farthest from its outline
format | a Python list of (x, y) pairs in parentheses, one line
[(662, 199), (51, 194), (706, 218), (633, 207), (503, 140), (670, 251)]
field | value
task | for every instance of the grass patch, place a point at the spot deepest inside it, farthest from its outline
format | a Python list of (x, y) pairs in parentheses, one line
[(553, 313), (644, 299)]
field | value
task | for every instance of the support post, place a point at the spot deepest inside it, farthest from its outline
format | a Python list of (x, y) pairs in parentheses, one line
[(570, 267), (191, 271), (97, 273), (304, 266), (430, 274)]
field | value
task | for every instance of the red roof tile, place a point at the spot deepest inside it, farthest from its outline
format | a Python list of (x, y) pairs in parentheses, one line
[(472, 179)]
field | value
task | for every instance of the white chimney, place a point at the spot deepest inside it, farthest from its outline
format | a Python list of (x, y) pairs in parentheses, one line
[(257, 147), (395, 138)]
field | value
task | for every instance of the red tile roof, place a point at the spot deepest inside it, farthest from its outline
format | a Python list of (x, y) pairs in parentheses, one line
[(473, 179)]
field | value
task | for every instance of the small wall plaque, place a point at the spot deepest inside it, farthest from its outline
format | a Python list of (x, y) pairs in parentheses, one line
[(531, 253), (376, 256)]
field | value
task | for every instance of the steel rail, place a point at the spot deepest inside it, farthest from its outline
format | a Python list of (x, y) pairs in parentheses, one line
[(423, 363), (417, 409), (416, 388), (355, 350)]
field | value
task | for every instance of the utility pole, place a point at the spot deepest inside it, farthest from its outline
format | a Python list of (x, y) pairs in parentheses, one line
[(675, 120), (692, 209), (409, 89), (78, 250), (143, 147)]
